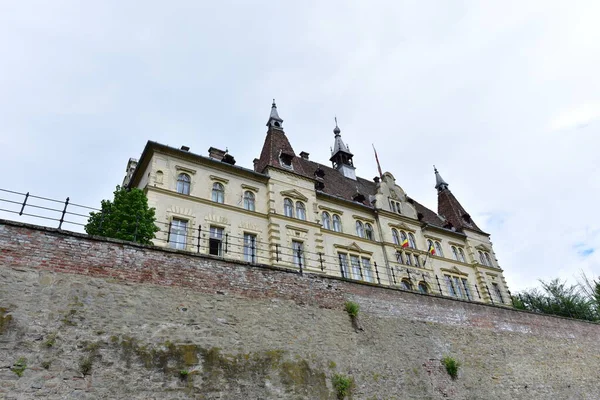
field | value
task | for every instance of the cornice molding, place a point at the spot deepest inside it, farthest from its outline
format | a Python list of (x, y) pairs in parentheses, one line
[(218, 179), (331, 210), (352, 247), (294, 194), (402, 226), (455, 271), (185, 169)]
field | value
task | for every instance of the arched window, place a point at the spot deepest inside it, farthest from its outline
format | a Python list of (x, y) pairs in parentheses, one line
[(405, 284), (183, 184), (430, 246), (360, 230), (326, 220), (300, 210), (288, 208), (411, 241), (403, 239), (438, 249), (249, 200), (395, 237), (488, 259), (423, 288), (461, 254), (337, 223), (369, 232), (218, 192), (455, 253), (481, 258)]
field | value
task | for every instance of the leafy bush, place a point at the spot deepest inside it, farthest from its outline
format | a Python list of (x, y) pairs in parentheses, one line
[(352, 309), (343, 385), (451, 366)]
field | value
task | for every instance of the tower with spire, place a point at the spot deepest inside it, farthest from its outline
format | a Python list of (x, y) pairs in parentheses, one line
[(450, 208), (341, 158), (274, 120)]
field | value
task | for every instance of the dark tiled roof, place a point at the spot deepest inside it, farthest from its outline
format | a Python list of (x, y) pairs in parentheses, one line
[(454, 213), (337, 185), (275, 143)]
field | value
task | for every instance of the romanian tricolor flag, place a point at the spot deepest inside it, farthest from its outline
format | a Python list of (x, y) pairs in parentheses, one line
[(431, 249), (405, 242)]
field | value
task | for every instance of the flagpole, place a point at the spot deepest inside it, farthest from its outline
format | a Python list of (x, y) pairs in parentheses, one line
[(377, 160)]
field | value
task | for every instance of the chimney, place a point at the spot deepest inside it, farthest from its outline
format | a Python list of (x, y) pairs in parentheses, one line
[(304, 155), (215, 153), (255, 162)]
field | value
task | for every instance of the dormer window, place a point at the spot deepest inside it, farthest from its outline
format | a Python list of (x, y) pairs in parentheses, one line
[(358, 198), (285, 160)]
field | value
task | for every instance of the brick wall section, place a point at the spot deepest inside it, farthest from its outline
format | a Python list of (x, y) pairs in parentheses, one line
[(23, 245), (67, 297)]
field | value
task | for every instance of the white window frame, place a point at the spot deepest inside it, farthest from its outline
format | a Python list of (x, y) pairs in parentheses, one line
[(288, 208), (184, 183), (300, 211), (178, 233), (249, 201), (326, 219), (218, 193)]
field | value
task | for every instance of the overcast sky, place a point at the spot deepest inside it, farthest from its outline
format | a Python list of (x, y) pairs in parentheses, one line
[(502, 96)]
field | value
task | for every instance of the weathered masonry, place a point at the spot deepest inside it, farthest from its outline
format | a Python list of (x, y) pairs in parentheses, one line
[(94, 318)]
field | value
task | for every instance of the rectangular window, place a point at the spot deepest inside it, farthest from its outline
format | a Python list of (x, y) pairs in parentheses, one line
[(355, 263), (298, 249), (215, 243), (498, 292), (250, 247), (399, 257), (417, 261), (465, 284), (408, 259), (366, 267), (344, 265), (178, 234), (451, 289), (458, 287)]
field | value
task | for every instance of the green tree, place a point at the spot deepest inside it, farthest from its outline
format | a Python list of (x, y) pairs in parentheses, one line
[(127, 217), (557, 298)]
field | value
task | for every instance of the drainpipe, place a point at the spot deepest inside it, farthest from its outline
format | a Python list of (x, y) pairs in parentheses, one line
[(385, 256)]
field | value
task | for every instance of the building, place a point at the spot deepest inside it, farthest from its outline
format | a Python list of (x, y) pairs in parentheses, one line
[(291, 212)]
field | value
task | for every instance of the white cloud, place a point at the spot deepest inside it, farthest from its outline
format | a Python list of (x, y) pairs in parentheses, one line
[(481, 89), (576, 117)]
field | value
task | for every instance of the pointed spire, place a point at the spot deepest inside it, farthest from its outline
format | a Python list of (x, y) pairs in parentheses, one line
[(274, 119), (339, 145), (341, 156), (440, 183)]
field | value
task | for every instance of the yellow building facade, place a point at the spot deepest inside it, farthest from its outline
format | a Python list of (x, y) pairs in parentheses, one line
[(291, 212)]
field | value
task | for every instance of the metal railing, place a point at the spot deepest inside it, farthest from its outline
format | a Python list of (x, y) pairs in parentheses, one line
[(249, 249)]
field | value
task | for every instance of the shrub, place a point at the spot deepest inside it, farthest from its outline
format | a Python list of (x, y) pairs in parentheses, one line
[(451, 366), (19, 366), (85, 365), (352, 308), (343, 385)]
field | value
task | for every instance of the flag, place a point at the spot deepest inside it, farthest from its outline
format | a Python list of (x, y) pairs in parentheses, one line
[(377, 159), (405, 242), (431, 249)]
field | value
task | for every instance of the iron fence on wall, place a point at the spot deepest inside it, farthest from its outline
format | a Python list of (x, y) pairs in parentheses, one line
[(249, 249)]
